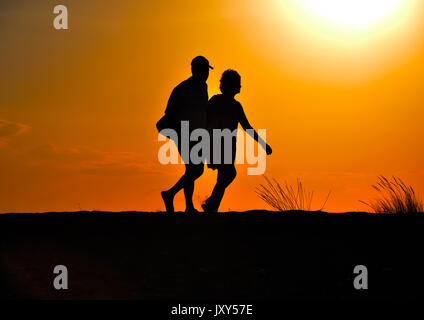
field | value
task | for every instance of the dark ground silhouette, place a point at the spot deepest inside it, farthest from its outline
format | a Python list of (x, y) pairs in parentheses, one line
[(253, 255)]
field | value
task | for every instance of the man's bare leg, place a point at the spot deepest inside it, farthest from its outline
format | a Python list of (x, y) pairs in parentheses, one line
[(192, 173), (168, 195), (188, 193)]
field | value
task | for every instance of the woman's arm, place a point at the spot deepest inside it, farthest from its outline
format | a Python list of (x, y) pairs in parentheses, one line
[(252, 132)]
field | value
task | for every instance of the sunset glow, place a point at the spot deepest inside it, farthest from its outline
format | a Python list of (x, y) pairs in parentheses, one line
[(337, 85), (356, 14)]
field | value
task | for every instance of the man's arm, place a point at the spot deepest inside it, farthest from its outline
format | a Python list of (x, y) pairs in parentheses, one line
[(174, 103)]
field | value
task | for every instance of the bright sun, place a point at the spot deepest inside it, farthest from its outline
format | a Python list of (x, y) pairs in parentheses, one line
[(353, 14)]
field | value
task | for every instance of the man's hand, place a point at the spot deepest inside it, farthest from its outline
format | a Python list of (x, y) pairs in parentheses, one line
[(268, 149)]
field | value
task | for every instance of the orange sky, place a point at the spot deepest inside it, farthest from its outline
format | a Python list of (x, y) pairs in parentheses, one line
[(78, 107)]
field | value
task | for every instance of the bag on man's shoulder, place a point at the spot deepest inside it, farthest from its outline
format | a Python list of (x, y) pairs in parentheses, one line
[(166, 122)]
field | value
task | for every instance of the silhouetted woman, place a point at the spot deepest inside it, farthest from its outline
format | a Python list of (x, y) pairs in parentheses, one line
[(224, 112)]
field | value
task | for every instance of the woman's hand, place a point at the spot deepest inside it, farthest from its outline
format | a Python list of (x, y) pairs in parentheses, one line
[(268, 149)]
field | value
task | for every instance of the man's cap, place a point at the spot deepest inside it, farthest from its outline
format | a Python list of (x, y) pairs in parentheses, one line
[(200, 61)]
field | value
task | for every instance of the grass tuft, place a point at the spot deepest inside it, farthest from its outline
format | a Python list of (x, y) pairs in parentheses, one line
[(396, 197), (287, 198)]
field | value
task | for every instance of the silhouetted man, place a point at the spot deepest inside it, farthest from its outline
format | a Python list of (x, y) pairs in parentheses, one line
[(188, 102)]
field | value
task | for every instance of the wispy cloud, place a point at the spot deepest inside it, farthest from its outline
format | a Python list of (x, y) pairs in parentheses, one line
[(9, 129), (91, 161)]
